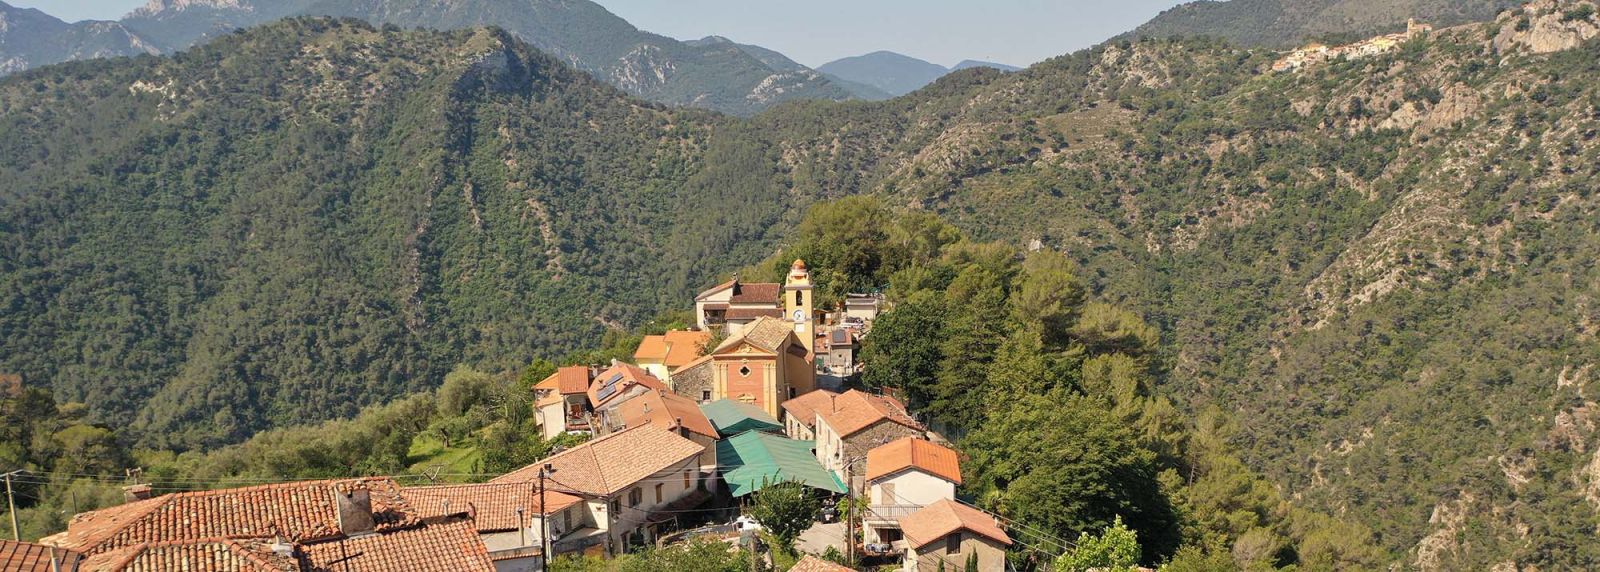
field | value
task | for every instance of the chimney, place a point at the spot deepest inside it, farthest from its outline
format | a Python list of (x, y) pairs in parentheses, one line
[(355, 512), (677, 424), (282, 548), (133, 493)]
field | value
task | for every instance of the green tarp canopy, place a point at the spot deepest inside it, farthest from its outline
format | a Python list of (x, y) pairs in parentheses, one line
[(753, 459), (732, 417)]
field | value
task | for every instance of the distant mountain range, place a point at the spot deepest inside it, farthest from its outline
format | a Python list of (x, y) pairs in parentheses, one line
[(1283, 23), (883, 74), (713, 74), (30, 38)]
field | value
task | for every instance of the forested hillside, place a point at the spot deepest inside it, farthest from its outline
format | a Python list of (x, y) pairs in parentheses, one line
[(1380, 270), (313, 216), (1286, 23)]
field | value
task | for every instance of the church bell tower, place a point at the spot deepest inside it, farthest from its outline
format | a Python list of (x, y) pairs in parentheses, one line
[(797, 306)]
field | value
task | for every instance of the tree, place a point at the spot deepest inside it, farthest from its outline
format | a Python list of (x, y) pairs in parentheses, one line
[(903, 349), (1058, 462), (785, 509), (1114, 550)]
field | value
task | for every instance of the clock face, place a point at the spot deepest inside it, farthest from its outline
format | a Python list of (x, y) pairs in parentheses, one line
[(799, 315)]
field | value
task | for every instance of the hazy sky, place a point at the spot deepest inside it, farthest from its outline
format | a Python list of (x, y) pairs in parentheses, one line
[(814, 32)]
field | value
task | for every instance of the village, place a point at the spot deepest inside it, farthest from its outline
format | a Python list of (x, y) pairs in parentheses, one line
[(756, 394), (1318, 53)]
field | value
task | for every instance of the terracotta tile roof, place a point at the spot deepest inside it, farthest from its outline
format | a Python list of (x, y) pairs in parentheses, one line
[(30, 557), (209, 555), (813, 564), (664, 408), (445, 547), (805, 407), (609, 464), (672, 349), (493, 507), (756, 293), (939, 519), (912, 453), (753, 313), (299, 512), (765, 333), (619, 377), (856, 410), (567, 380)]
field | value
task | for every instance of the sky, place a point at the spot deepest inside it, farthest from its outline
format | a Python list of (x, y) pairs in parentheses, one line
[(814, 32)]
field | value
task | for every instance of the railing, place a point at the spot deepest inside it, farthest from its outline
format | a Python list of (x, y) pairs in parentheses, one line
[(889, 512)]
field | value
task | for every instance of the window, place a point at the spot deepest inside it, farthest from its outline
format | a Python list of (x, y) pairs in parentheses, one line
[(635, 496), (616, 507), (658, 492), (952, 543), (744, 370), (799, 297), (566, 520), (886, 494), (688, 478), (705, 395), (791, 393)]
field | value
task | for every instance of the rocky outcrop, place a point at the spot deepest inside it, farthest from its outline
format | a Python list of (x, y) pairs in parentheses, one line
[(1547, 26)]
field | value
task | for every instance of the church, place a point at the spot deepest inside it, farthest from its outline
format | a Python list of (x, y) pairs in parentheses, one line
[(766, 358)]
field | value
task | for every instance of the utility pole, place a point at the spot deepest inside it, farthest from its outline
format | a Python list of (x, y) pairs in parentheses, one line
[(850, 516), (11, 505), (544, 520)]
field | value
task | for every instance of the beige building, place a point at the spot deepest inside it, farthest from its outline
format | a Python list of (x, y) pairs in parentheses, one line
[(948, 534), (903, 477), (856, 422), (630, 481)]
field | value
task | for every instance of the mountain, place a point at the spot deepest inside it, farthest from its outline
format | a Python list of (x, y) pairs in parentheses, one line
[(716, 75), (890, 72), (30, 38), (969, 64), (1287, 23), (288, 223), (1375, 275), (881, 75)]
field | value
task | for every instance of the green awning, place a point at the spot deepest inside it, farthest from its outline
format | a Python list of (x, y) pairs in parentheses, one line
[(732, 417), (753, 458)]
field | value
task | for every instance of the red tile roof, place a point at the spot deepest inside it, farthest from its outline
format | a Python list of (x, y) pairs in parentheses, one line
[(665, 409), (672, 349), (630, 375), (913, 453), (209, 555), (813, 564), (493, 507), (446, 547), (756, 293), (805, 407), (766, 333), (567, 380), (854, 411), (609, 464), (717, 288), (939, 519), (301, 511), (30, 557)]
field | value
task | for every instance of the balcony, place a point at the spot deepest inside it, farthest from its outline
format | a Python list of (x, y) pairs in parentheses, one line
[(889, 513)]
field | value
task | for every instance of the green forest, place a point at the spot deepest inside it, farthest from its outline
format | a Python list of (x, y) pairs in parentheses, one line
[(1364, 290)]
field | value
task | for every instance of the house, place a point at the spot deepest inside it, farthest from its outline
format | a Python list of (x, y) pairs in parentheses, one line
[(668, 410), (30, 557), (661, 354), (948, 534), (733, 417), (837, 349), (753, 460), (734, 305), (800, 413), (763, 366), (506, 516), (848, 425), (561, 401), (630, 481), (813, 564), (903, 477), (362, 525), (862, 307)]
